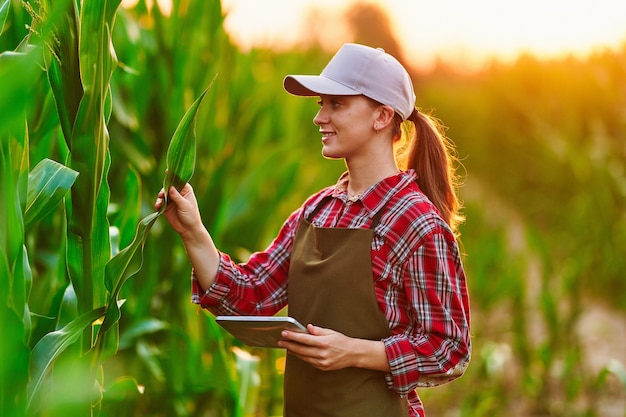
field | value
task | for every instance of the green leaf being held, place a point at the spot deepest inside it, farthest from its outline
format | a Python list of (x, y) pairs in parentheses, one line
[(181, 154)]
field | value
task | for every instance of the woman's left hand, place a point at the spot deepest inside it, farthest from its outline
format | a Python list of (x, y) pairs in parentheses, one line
[(329, 350), (325, 349)]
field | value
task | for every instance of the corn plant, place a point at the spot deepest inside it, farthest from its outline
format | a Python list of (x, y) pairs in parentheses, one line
[(79, 62)]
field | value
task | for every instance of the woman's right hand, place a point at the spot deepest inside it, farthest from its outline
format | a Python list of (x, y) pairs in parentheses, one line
[(182, 211), (183, 215)]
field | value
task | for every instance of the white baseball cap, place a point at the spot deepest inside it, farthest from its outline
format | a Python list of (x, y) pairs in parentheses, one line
[(358, 69)]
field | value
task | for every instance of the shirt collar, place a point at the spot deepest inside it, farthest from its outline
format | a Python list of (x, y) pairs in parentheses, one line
[(378, 194)]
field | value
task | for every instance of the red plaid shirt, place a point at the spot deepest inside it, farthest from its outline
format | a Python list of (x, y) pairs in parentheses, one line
[(419, 280)]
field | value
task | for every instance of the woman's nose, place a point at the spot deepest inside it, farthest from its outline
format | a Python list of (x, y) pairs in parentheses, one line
[(321, 117)]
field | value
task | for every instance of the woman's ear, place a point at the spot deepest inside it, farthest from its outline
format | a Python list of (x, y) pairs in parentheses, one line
[(383, 118)]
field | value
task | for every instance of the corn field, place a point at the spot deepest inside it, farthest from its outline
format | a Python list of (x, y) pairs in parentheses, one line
[(101, 106)]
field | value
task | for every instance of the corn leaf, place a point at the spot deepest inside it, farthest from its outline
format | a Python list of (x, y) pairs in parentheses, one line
[(14, 163), (131, 212), (4, 12), (48, 183), (15, 273), (63, 68), (26, 273), (18, 72), (181, 154), (14, 353), (117, 266), (116, 274), (97, 56), (21, 278), (146, 326), (20, 161), (53, 344), (150, 358), (122, 388), (9, 207), (68, 309)]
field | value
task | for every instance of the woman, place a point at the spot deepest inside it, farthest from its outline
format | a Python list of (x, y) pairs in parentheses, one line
[(371, 264)]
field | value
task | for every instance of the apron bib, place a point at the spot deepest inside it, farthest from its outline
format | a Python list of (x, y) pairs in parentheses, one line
[(331, 285)]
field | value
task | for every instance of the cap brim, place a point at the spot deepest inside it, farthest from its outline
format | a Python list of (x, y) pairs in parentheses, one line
[(315, 85)]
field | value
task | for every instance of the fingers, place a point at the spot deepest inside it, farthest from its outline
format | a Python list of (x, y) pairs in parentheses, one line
[(159, 201), (173, 194), (318, 331), (311, 339), (185, 192), (314, 352)]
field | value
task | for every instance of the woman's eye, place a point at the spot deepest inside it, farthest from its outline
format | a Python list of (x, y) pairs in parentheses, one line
[(333, 104)]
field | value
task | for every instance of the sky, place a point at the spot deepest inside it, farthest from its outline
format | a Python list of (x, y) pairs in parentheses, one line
[(461, 32)]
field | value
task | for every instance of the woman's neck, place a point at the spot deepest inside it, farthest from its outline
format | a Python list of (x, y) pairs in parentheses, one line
[(363, 177)]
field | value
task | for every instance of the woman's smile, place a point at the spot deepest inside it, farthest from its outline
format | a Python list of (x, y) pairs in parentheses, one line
[(326, 134)]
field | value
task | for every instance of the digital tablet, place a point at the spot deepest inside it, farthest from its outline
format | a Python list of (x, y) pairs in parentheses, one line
[(259, 331)]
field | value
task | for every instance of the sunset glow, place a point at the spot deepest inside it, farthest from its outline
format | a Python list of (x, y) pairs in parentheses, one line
[(458, 31)]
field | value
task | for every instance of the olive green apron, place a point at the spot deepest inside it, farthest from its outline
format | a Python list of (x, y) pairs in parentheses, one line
[(331, 285)]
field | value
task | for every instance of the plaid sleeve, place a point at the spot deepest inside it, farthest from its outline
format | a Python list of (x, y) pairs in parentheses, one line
[(437, 348), (256, 287), (217, 294)]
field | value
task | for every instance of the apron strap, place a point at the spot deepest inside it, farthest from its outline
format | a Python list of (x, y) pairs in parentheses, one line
[(317, 208), (378, 216)]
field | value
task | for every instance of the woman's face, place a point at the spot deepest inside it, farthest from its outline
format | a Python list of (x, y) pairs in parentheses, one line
[(347, 126)]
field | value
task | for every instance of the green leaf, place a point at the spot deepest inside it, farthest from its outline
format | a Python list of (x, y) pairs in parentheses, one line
[(14, 354), (132, 207), (11, 223), (63, 67), (19, 74), (181, 154), (150, 355), (116, 274), (96, 54), (122, 389), (54, 344), (48, 183), (4, 12), (115, 270), (144, 327), (68, 310), (66, 97), (21, 282)]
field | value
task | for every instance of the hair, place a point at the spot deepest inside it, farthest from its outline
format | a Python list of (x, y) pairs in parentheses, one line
[(428, 151)]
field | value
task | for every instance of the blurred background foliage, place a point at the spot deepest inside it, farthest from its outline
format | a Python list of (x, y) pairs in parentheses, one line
[(543, 145)]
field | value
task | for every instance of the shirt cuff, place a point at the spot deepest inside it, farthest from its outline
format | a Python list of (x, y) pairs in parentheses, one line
[(216, 293), (403, 365)]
